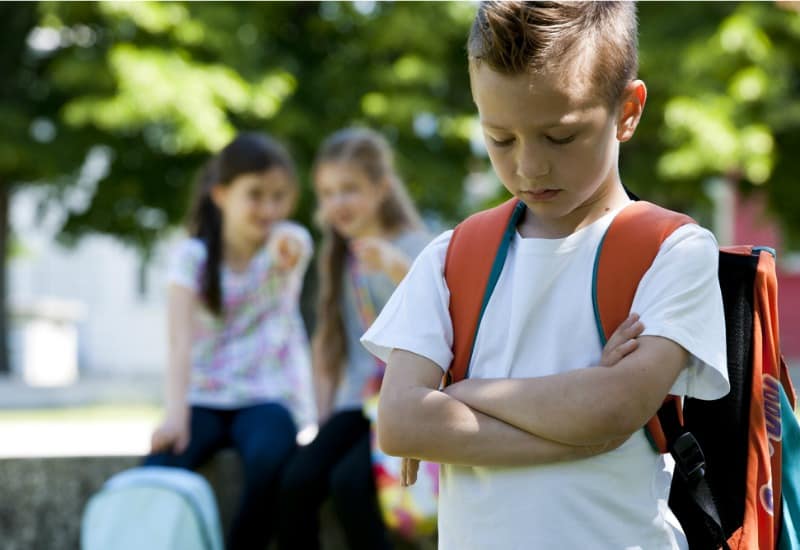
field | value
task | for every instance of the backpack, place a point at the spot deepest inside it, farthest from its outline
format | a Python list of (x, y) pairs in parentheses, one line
[(728, 451), (153, 507)]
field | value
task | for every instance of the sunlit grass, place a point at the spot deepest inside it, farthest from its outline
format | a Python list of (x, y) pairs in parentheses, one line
[(88, 413)]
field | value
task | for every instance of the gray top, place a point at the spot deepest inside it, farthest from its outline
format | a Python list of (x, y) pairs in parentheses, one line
[(361, 366)]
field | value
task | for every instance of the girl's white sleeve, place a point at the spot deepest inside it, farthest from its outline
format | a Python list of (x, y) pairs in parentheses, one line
[(679, 298), (416, 318), (186, 264)]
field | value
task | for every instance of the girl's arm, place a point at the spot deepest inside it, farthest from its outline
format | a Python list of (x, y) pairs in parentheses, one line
[(173, 433), (586, 406), (290, 247), (416, 420)]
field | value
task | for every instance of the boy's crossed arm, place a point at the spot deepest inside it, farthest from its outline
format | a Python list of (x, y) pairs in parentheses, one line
[(527, 421), (586, 406), (417, 420)]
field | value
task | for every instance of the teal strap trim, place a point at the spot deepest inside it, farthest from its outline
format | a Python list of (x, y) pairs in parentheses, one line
[(769, 249), (599, 323), (651, 440), (790, 476), (497, 269), (595, 305)]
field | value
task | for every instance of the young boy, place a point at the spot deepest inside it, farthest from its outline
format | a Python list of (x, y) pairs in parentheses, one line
[(540, 451)]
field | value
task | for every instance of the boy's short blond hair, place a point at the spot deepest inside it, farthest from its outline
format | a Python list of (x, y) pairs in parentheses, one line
[(517, 37)]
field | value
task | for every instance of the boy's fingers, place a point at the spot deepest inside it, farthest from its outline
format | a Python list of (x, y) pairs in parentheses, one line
[(626, 348), (634, 330), (612, 355), (413, 469), (630, 328)]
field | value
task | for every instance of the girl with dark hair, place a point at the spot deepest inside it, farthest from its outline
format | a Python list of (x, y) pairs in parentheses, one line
[(239, 373), (371, 234)]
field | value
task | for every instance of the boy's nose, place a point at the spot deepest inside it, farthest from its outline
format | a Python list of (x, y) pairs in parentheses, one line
[(532, 165), (533, 171)]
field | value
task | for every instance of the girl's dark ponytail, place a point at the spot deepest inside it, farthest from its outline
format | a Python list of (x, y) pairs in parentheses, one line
[(205, 223)]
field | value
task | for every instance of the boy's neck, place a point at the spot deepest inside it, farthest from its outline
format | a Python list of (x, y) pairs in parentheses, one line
[(607, 199)]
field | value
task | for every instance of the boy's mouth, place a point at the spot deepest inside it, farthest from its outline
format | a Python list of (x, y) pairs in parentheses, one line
[(541, 195)]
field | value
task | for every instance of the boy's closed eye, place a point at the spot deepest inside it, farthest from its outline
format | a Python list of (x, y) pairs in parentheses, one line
[(500, 142), (560, 140), (555, 140)]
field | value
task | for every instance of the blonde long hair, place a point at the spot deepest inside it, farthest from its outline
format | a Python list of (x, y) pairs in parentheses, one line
[(369, 152)]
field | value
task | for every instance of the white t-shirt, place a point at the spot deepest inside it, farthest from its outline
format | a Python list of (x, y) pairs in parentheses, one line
[(540, 321)]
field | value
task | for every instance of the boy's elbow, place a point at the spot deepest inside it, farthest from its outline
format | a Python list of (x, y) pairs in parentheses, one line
[(627, 415), (394, 437), (389, 440)]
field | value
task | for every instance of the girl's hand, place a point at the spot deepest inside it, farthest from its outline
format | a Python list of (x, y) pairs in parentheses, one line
[(172, 435), (377, 254), (286, 249), (622, 342), (408, 471)]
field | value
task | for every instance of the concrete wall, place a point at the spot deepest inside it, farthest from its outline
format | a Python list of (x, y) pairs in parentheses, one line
[(42, 499)]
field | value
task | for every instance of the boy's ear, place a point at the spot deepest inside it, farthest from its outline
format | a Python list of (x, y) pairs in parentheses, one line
[(634, 97)]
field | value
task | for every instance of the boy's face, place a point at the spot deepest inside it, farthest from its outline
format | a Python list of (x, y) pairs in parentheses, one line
[(553, 141)]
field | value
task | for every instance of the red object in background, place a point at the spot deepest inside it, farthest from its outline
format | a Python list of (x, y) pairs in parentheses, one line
[(751, 225)]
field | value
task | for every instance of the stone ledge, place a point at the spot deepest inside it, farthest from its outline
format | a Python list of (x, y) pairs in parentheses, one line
[(43, 498)]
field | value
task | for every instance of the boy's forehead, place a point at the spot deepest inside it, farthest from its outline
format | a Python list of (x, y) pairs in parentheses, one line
[(546, 98)]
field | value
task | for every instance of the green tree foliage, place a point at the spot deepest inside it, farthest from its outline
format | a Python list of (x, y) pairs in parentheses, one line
[(160, 85), (724, 82), (112, 106)]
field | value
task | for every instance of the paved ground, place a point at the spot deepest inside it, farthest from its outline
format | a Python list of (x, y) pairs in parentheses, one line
[(98, 416), (88, 390)]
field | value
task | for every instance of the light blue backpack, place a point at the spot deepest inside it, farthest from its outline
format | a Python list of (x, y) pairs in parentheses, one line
[(152, 507)]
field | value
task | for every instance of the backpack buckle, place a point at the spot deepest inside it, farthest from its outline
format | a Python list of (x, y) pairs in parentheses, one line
[(689, 458)]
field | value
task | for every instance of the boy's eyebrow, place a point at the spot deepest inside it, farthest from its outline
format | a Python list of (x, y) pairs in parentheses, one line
[(567, 120)]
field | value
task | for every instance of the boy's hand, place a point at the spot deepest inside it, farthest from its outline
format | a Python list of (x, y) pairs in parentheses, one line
[(623, 341), (408, 471), (286, 249), (377, 254), (172, 435)]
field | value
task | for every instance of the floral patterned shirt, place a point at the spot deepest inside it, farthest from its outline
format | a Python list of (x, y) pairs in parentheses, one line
[(257, 350)]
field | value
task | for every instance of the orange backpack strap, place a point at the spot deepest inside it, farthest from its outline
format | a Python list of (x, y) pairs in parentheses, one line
[(624, 255), (475, 257)]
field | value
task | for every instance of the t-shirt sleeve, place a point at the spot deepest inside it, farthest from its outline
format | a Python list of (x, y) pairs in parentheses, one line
[(416, 318), (679, 298), (186, 264)]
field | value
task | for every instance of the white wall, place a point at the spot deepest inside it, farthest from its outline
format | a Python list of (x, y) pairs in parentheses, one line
[(123, 331)]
